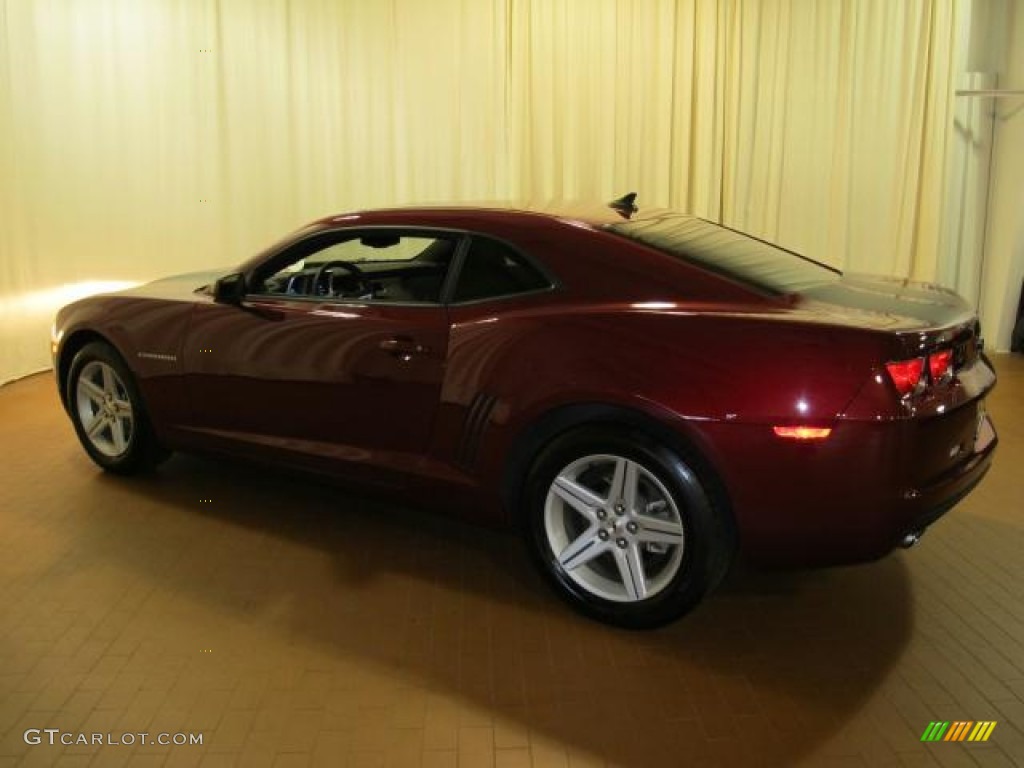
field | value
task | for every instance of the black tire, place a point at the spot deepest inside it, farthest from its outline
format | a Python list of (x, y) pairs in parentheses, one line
[(137, 450), (708, 534)]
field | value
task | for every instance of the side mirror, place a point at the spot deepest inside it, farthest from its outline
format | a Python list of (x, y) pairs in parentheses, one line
[(229, 289)]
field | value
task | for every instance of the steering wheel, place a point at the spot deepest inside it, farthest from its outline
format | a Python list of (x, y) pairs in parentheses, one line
[(349, 267)]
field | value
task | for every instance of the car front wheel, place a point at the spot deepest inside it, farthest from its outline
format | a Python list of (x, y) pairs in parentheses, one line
[(625, 528), (108, 413)]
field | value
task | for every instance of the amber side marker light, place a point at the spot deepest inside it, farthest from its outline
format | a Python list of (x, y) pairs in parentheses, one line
[(803, 433)]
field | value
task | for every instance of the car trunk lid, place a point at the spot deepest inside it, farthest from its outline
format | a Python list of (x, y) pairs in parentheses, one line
[(921, 316), (889, 303)]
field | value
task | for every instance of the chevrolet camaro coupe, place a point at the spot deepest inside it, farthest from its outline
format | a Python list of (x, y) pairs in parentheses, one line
[(645, 394)]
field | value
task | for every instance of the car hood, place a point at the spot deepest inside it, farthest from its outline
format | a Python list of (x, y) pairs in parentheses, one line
[(886, 303), (181, 287)]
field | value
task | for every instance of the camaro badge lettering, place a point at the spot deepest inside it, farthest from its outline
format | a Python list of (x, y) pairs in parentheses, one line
[(158, 356)]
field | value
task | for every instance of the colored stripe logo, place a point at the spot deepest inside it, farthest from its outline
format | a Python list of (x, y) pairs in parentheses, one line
[(958, 730)]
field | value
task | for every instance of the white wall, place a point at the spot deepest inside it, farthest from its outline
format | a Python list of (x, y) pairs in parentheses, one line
[(1004, 243)]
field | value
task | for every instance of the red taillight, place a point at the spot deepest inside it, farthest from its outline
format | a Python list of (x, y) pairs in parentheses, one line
[(940, 365), (803, 433), (907, 375)]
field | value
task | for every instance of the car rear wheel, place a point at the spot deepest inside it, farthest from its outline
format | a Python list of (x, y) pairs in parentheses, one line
[(108, 413), (627, 530)]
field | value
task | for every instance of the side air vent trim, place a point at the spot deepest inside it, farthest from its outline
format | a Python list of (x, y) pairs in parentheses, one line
[(477, 417)]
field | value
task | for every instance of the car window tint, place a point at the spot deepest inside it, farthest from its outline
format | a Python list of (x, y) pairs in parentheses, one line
[(727, 252), (390, 248), (493, 269), (371, 265)]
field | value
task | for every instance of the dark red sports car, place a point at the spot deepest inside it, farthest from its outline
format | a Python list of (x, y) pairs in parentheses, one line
[(644, 393)]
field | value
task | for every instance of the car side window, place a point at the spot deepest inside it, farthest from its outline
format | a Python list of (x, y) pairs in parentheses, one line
[(369, 265), (492, 269)]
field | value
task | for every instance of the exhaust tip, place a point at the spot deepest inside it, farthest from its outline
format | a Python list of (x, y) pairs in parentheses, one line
[(911, 539)]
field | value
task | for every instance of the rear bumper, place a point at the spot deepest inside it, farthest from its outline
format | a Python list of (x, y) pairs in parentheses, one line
[(931, 503), (855, 496)]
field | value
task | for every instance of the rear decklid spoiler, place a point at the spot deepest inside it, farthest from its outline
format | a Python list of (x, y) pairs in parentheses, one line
[(921, 316), (894, 304)]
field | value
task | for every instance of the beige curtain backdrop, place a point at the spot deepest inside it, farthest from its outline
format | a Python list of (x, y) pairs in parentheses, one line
[(140, 138)]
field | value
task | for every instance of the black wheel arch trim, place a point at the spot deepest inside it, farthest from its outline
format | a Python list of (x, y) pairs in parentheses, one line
[(70, 347), (530, 441)]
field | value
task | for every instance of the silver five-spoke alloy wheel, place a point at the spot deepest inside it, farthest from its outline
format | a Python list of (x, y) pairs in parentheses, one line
[(614, 528), (104, 409)]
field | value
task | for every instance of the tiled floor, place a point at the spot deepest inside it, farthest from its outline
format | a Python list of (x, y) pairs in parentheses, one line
[(292, 624)]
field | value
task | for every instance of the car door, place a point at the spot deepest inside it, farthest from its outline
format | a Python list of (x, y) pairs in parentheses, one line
[(342, 375)]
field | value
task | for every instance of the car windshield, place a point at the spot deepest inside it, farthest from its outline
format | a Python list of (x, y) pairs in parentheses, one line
[(727, 252)]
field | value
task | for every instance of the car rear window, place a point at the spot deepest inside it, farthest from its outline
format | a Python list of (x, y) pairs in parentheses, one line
[(727, 252)]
